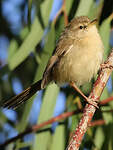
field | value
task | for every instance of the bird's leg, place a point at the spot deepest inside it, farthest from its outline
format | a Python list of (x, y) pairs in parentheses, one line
[(90, 101)]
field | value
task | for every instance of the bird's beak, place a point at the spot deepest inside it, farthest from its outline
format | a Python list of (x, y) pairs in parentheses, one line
[(93, 22)]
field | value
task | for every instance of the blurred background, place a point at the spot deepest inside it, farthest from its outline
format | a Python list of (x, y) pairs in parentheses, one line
[(28, 34)]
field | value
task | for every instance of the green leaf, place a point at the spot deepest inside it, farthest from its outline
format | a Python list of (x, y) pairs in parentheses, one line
[(108, 134), (42, 140), (107, 116), (99, 138), (12, 49), (47, 51), (33, 38), (105, 35), (59, 138), (105, 94), (24, 33), (45, 9), (71, 106), (29, 12), (95, 9), (83, 8), (60, 27), (28, 45), (68, 5)]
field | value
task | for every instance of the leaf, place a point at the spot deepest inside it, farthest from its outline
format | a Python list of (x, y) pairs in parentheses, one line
[(60, 27), (45, 9), (14, 44), (107, 116), (47, 51), (49, 100), (83, 8), (68, 5), (108, 142), (33, 38), (99, 138), (105, 34), (29, 12), (28, 45), (12, 49), (59, 139), (95, 9), (71, 106), (24, 33), (105, 94)]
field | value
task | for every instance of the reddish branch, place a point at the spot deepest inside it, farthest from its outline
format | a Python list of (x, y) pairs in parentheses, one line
[(89, 110), (64, 11), (97, 123)]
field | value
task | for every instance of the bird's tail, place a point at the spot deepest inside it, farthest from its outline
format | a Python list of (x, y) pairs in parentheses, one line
[(15, 101)]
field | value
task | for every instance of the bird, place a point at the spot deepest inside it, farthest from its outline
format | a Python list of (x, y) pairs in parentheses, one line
[(76, 59)]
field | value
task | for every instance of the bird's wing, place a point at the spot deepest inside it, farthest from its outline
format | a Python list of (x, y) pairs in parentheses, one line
[(64, 45)]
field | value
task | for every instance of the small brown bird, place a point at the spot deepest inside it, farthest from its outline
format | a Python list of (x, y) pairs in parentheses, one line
[(76, 59)]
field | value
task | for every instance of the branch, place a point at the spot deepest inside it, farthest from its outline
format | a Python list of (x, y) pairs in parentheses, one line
[(64, 11), (37, 127), (89, 110)]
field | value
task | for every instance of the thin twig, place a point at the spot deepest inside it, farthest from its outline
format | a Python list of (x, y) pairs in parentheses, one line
[(89, 110), (107, 100), (97, 123)]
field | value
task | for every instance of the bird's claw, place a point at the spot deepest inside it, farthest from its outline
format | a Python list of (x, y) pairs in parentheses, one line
[(106, 65), (93, 102)]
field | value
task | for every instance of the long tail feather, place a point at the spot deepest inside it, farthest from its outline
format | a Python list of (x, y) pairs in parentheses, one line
[(15, 101)]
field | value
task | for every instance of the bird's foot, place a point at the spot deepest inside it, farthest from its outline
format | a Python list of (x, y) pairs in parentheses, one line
[(105, 65), (92, 102), (88, 100)]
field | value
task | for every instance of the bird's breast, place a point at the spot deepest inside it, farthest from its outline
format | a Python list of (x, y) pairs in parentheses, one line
[(81, 63)]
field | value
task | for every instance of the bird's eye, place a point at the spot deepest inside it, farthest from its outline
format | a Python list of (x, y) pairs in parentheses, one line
[(81, 27), (85, 27)]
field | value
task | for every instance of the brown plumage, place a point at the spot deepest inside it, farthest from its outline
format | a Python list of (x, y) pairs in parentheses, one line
[(76, 59)]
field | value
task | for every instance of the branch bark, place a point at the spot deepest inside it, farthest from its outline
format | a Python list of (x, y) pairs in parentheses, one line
[(89, 110)]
